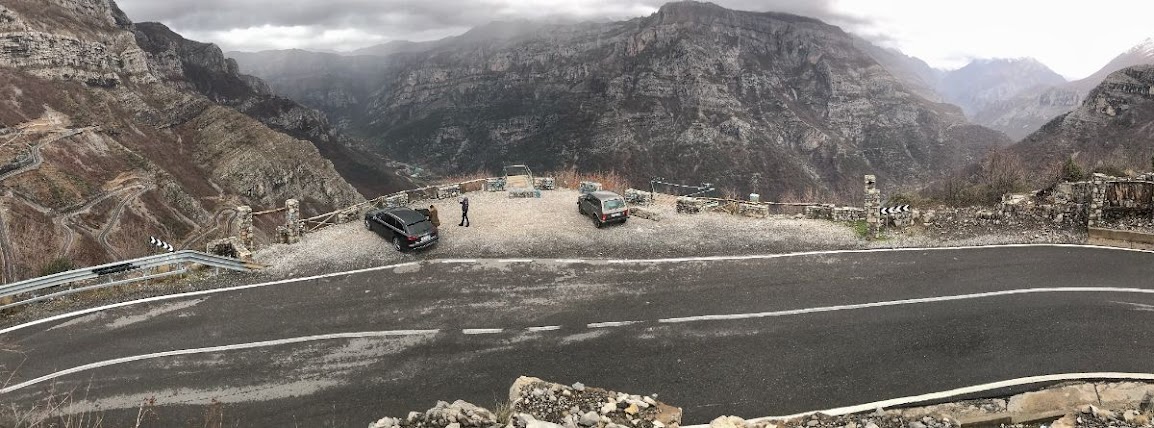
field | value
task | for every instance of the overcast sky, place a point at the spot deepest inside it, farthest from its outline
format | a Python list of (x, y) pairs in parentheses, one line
[(1074, 37)]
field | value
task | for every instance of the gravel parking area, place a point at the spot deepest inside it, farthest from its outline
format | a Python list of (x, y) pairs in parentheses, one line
[(550, 227)]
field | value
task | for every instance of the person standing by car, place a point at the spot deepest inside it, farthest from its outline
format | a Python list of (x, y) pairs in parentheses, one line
[(464, 211), (433, 216)]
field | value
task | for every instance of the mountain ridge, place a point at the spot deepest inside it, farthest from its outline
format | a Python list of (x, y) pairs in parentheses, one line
[(693, 91)]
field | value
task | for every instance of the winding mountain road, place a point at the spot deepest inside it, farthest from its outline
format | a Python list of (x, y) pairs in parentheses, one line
[(751, 336)]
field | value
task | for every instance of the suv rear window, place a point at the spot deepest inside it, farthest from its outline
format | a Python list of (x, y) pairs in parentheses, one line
[(614, 204), (420, 227)]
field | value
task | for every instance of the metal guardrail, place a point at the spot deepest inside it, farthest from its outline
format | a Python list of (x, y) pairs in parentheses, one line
[(140, 264)]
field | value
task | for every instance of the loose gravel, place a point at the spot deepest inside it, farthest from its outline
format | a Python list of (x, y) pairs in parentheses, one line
[(550, 227)]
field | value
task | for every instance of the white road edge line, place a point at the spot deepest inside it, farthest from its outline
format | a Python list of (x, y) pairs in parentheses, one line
[(211, 349), (720, 317), (956, 392), (673, 260), (514, 260), (544, 328), (482, 330), (611, 324)]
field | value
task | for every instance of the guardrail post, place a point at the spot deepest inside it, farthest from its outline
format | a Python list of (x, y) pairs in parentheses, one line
[(291, 216), (244, 226), (1097, 200), (873, 200)]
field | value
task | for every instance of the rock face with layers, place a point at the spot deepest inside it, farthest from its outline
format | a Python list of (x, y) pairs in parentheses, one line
[(1026, 112), (1111, 127), (112, 144), (694, 92)]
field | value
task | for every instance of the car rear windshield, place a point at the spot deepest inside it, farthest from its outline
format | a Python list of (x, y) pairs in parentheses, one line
[(420, 227), (614, 204)]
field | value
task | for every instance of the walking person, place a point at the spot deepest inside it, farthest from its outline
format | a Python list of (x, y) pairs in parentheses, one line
[(433, 216), (464, 212)]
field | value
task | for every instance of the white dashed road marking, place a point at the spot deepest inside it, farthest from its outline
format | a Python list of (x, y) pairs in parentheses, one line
[(468, 261), (595, 325), (482, 330), (611, 324)]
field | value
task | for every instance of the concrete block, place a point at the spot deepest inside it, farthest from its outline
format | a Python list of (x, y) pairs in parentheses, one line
[(689, 205), (644, 213), (638, 197), (753, 210), (545, 183), (495, 184), (524, 193), (589, 187)]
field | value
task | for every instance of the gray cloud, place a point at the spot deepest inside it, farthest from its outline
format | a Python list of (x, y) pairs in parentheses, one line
[(408, 19)]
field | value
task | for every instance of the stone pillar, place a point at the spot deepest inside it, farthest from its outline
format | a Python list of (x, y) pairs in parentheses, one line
[(1097, 199), (872, 205), (244, 229), (292, 216)]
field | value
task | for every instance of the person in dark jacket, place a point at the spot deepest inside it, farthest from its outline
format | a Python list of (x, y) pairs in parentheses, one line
[(433, 216), (464, 212)]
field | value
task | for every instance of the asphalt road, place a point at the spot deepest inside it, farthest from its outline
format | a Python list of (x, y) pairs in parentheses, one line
[(467, 330)]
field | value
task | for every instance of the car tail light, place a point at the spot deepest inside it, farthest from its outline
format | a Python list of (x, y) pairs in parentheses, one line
[(604, 217), (627, 213), (414, 238)]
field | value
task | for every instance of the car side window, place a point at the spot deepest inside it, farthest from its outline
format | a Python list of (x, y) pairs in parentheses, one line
[(392, 221)]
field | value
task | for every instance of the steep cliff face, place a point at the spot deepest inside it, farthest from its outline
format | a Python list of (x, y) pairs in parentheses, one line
[(1027, 111), (203, 68), (762, 102), (1111, 127), (104, 145)]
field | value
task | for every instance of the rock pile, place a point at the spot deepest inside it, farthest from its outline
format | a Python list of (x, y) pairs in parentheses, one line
[(1093, 417), (534, 400), (460, 414), (535, 403)]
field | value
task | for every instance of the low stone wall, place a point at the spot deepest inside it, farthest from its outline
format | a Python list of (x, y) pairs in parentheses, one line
[(834, 213), (1121, 238)]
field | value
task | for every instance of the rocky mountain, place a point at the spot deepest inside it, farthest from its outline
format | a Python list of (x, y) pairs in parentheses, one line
[(202, 68), (1026, 112), (1112, 127), (767, 102), (918, 76), (984, 83), (110, 134)]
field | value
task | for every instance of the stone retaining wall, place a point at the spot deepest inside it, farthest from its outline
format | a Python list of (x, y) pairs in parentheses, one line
[(1121, 238)]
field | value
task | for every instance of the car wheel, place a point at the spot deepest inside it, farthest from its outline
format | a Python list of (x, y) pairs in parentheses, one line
[(597, 222), (397, 243), (580, 209), (368, 226)]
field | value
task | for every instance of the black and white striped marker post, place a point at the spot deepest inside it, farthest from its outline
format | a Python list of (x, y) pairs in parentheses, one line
[(161, 244), (895, 210)]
